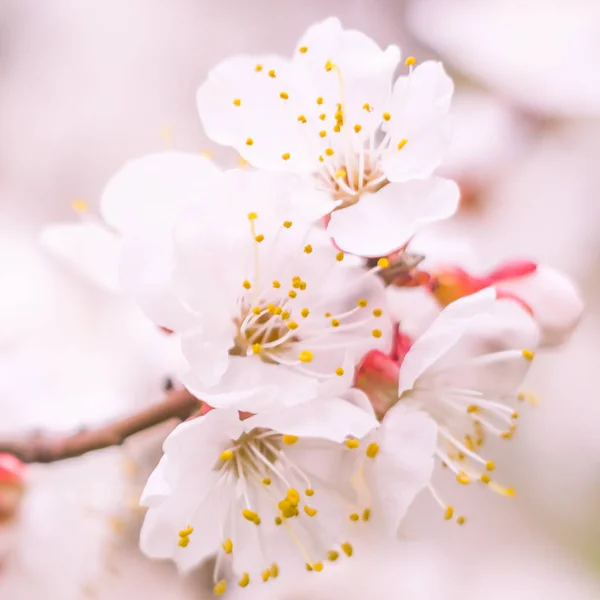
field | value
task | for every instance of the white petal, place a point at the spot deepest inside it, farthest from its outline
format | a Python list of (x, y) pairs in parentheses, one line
[(327, 418), (147, 194), (253, 385), (403, 465), (419, 109), (444, 333), (556, 303), (89, 248), (157, 487), (207, 350), (382, 222)]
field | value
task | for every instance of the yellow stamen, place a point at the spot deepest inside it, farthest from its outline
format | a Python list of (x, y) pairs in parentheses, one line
[(318, 567), (79, 206), (283, 95), (227, 546), (287, 224), (305, 356), (309, 492), (256, 348), (339, 371), (463, 478), (266, 574), (252, 216), (339, 256), (258, 68), (237, 102), (322, 133), (251, 516), (449, 513), (386, 116), (322, 116), (259, 238), (244, 581), (527, 354), (335, 322), (303, 49), (372, 450), (485, 478), (276, 284), (272, 73), (354, 517), (302, 119), (366, 514), (489, 465), (183, 542), (341, 173), (402, 143), (266, 481), (333, 555), (304, 312), (249, 142), (376, 333), (246, 284), (292, 294), (308, 248), (362, 303), (311, 512), (292, 325), (410, 61), (186, 532), (366, 106), (220, 588), (257, 310), (383, 263), (352, 444), (460, 520), (319, 100), (293, 496), (308, 567), (286, 156), (289, 439), (347, 548), (357, 128), (285, 315), (226, 455), (278, 521), (377, 312), (329, 151)]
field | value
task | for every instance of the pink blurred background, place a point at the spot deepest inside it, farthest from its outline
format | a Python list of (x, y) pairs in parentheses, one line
[(86, 85)]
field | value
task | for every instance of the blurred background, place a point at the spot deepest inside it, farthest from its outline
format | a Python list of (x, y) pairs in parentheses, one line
[(86, 85)]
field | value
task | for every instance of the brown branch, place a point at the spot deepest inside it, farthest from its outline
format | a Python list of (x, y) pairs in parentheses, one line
[(42, 448)]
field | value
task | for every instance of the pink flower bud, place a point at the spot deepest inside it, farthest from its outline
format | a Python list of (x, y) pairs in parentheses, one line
[(377, 377), (12, 486)]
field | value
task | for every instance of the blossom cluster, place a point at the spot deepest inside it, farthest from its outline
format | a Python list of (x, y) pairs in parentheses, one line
[(319, 414)]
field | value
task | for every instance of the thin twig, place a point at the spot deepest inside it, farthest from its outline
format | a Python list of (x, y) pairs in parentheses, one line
[(48, 448)]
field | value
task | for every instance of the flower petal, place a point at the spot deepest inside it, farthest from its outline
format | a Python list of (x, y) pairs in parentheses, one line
[(382, 222)]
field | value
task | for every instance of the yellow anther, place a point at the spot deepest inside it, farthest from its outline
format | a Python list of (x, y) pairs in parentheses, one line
[(449, 513), (292, 294), (79, 206), (284, 95), (309, 492), (305, 356), (256, 348), (402, 143), (267, 481), (410, 61), (339, 256), (515, 415), (308, 249), (321, 159), (289, 439), (286, 156), (337, 128), (220, 588), (293, 496), (341, 173), (354, 517), (485, 478), (186, 532), (527, 354), (327, 315), (278, 521), (249, 141), (510, 491), (352, 444), (246, 284), (461, 520), (319, 100), (285, 315), (183, 542), (489, 465), (304, 312), (274, 569), (377, 312), (383, 263), (322, 133), (318, 566), (347, 548), (362, 303), (507, 435), (308, 567), (302, 119), (266, 574), (278, 310), (292, 325), (322, 116), (335, 322), (258, 68), (376, 333), (303, 49), (272, 73), (329, 151), (357, 128), (287, 508), (472, 408), (463, 478), (237, 102), (226, 455), (251, 516), (310, 511), (252, 216), (339, 371), (328, 65), (257, 310), (244, 581), (287, 224), (303, 285), (366, 106), (386, 116), (276, 284), (372, 450), (366, 514), (227, 546), (271, 308), (333, 555)]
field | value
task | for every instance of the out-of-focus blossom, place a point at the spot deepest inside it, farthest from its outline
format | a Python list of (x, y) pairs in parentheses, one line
[(265, 305), (548, 63), (330, 113), (258, 492)]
